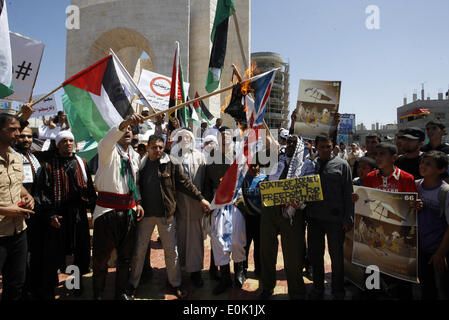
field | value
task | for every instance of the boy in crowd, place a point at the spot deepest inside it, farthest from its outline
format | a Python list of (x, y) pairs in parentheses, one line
[(389, 177), (433, 230), (366, 165)]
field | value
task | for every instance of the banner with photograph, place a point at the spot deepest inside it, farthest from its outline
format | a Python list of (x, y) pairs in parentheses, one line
[(347, 124), (385, 232), (353, 272), (277, 192), (316, 105), (156, 89)]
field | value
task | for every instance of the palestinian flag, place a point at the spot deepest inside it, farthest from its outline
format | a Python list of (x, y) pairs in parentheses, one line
[(202, 110), (219, 38), (98, 97), (177, 94), (6, 87)]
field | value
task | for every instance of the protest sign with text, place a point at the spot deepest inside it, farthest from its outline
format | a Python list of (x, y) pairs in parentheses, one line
[(45, 107), (277, 192)]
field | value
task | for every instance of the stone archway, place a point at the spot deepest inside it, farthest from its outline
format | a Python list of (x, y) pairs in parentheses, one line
[(127, 44)]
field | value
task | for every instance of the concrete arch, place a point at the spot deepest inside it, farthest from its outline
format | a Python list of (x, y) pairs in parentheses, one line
[(128, 44)]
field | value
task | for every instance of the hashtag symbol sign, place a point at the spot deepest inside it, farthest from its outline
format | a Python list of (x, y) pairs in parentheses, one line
[(21, 71)]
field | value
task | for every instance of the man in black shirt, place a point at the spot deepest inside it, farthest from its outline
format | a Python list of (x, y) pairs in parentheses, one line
[(412, 140)]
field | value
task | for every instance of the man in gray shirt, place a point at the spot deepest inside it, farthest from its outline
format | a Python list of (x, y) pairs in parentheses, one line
[(331, 217)]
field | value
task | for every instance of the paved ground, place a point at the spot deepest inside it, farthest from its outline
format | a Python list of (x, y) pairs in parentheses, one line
[(156, 287)]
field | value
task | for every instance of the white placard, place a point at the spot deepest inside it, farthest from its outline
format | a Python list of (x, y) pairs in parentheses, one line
[(26, 59), (156, 89), (45, 107)]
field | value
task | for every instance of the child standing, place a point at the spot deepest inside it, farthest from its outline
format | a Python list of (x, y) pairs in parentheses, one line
[(366, 165), (433, 230)]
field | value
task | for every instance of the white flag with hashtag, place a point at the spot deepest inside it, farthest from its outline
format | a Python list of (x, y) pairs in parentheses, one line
[(26, 59)]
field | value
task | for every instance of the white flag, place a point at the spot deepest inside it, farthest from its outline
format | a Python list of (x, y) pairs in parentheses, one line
[(26, 59)]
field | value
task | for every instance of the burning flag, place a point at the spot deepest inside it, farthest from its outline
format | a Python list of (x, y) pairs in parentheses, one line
[(251, 114)]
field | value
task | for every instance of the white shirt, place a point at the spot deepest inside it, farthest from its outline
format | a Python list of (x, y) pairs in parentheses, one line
[(108, 177)]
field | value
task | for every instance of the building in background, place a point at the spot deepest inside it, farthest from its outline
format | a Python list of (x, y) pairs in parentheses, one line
[(148, 29), (420, 111), (277, 114)]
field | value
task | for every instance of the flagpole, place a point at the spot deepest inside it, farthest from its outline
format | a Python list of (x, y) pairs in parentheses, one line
[(239, 36), (245, 61), (174, 108), (46, 96), (113, 53)]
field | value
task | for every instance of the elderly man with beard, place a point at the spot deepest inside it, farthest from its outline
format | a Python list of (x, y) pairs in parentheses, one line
[(189, 213), (227, 224), (64, 192), (287, 221), (16, 205), (118, 207), (160, 179)]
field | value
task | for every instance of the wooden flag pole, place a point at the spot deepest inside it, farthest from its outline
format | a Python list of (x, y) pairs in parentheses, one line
[(245, 61), (239, 36), (46, 96), (174, 108)]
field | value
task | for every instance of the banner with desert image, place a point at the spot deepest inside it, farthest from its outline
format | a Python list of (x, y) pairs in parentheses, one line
[(385, 233), (317, 103)]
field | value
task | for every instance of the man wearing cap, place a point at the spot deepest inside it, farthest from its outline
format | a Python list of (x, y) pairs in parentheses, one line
[(64, 193), (411, 141)]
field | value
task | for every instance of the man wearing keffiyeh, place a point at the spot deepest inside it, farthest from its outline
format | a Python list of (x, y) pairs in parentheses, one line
[(118, 207), (288, 221), (64, 193)]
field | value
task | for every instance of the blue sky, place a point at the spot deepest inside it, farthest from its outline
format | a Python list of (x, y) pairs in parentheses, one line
[(322, 39)]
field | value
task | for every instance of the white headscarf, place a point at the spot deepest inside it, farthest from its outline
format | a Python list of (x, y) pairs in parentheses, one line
[(63, 135)]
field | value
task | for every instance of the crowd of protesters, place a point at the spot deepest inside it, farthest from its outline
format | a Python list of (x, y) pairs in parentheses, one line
[(147, 176)]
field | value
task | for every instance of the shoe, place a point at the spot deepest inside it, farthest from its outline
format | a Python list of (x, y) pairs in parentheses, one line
[(265, 295), (196, 279), (124, 296), (99, 298), (239, 275), (225, 280), (179, 292)]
